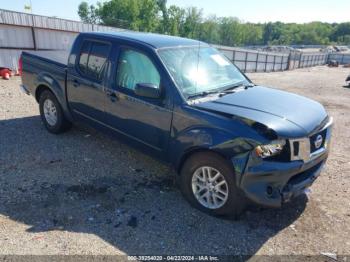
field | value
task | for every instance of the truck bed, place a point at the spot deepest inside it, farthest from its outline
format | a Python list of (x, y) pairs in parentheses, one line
[(46, 67), (58, 57)]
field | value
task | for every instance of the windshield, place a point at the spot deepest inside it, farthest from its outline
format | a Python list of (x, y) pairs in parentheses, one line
[(199, 70)]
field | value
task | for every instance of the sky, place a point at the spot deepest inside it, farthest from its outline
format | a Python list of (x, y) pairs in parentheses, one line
[(299, 11)]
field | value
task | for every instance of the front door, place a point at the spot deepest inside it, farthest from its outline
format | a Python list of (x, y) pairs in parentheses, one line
[(145, 120)]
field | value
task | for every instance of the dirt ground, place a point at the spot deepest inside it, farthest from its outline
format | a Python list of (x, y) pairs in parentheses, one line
[(84, 193)]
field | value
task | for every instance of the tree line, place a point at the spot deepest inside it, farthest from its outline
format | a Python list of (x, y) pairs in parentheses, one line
[(156, 16)]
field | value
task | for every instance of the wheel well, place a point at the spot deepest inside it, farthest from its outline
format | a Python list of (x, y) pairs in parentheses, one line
[(39, 90), (193, 152)]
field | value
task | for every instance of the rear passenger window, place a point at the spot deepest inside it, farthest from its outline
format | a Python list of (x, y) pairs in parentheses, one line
[(84, 55), (97, 59), (93, 59)]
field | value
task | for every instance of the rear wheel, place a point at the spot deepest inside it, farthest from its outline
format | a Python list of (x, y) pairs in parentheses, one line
[(208, 183), (52, 114)]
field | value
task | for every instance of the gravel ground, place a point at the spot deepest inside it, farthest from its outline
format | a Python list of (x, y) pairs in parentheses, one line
[(84, 193)]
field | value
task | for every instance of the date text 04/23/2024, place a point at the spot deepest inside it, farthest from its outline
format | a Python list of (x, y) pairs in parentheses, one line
[(173, 258)]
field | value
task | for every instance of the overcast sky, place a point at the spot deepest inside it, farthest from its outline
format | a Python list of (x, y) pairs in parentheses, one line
[(299, 11)]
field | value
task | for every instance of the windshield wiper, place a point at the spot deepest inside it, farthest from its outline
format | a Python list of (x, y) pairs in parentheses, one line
[(235, 88), (226, 91), (202, 94), (245, 86)]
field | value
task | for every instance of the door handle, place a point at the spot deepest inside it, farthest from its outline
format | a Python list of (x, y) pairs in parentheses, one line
[(112, 96), (76, 83)]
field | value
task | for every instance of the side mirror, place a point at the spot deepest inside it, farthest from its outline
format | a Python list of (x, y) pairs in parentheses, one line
[(147, 90)]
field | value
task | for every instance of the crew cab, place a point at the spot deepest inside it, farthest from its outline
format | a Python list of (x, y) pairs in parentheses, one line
[(231, 142)]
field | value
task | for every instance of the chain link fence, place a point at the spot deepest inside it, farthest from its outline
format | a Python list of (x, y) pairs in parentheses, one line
[(254, 61), (340, 58)]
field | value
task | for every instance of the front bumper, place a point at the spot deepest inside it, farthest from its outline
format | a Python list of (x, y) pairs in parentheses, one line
[(272, 183)]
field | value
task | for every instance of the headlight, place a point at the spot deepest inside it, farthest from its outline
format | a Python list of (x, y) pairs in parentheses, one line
[(269, 150)]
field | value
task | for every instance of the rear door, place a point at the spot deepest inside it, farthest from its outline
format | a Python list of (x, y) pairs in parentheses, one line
[(86, 80), (145, 120)]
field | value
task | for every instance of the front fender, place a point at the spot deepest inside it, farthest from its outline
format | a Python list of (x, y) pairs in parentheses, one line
[(214, 139)]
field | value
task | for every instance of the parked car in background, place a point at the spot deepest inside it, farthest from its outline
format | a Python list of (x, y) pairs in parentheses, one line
[(184, 102)]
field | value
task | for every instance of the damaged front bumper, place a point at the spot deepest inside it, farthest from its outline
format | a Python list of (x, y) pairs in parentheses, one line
[(272, 183)]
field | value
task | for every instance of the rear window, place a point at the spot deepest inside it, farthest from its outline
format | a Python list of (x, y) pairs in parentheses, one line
[(93, 59)]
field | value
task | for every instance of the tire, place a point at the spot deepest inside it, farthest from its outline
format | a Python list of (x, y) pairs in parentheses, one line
[(234, 204), (54, 121)]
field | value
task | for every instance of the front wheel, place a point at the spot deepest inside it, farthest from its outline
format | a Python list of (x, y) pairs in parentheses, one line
[(208, 183), (52, 114)]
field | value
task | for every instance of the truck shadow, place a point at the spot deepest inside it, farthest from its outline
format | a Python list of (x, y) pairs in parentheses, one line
[(84, 182)]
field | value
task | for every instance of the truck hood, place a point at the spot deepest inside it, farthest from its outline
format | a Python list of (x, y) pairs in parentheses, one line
[(289, 115)]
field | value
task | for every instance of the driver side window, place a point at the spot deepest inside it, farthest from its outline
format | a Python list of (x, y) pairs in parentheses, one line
[(135, 68)]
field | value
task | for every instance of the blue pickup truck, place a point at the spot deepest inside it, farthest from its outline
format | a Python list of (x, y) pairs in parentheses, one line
[(231, 142)]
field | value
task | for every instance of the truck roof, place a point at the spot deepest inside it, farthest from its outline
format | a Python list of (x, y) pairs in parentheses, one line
[(155, 40)]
